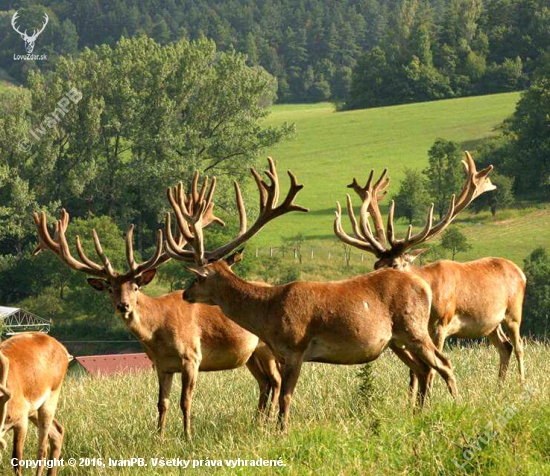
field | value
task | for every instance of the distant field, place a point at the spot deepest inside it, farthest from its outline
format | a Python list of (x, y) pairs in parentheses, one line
[(332, 147), (336, 429)]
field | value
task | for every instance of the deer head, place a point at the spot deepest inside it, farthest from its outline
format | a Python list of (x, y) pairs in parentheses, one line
[(123, 287), (29, 40), (390, 251)]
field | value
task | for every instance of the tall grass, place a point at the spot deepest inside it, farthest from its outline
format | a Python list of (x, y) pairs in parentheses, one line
[(339, 424)]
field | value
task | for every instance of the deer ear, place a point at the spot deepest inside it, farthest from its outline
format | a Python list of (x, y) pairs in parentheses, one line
[(98, 284), (413, 254), (235, 257), (201, 272), (146, 277)]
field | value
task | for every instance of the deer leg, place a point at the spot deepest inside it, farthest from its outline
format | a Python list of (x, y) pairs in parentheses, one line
[(419, 343), (55, 436), (274, 373), (501, 342), (189, 376), (44, 423), (438, 339), (513, 323), (291, 373), (165, 386), (517, 342), (19, 436), (263, 382), (418, 369)]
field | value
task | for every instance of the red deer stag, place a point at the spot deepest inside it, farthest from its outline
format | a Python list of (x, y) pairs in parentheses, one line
[(470, 300), (177, 336), (32, 369), (343, 322)]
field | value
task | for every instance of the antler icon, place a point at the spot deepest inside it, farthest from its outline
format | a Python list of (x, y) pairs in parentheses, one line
[(29, 40)]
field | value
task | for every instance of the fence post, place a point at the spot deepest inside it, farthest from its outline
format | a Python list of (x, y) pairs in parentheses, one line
[(329, 255), (311, 253), (271, 251), (257, 252)]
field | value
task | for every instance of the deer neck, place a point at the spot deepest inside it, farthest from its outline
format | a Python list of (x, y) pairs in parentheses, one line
[(145, 319), (248, 304)]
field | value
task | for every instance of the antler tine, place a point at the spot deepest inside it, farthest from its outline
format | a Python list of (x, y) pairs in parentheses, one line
[(99, 250), (130, 248), (343, 236), (45, 240), (377, 193), (177, 205), (173, 249), (366, 228), (352, 219), (240, 208), (60, 247), (269, 210), (155, 260), (87, 266)]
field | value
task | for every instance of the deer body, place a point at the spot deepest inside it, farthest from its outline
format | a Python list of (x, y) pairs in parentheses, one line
[(177, 336), (33, 367), (470, 300), (342, 322), (473, 299), (169, 329)]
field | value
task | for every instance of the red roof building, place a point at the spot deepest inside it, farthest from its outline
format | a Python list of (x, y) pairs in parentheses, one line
[(99, 365)]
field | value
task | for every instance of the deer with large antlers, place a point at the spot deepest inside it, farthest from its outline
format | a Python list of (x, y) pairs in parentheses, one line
[(343, 322), (470, 300), (32, 369), (177, 336)]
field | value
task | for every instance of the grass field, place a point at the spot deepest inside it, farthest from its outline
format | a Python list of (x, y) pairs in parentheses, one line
[(337, 428), (332, 147)]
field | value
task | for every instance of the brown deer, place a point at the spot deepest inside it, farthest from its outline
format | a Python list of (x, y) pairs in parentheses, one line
[(344, 322), (470, 300), (32, 368), (177, 336)]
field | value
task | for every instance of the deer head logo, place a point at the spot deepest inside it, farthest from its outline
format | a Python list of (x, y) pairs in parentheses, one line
[(29, 40)]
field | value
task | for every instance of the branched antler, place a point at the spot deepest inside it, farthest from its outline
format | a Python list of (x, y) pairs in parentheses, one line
[(386, 244), (190, 225)]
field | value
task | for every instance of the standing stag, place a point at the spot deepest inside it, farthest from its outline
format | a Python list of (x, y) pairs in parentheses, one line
[(342, 322), (470, 300), (177, 336), (32, 369)]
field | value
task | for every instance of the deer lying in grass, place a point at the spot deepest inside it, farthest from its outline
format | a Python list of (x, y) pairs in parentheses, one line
[(470, 300), (32, 369), (343, 322), (176, 336)]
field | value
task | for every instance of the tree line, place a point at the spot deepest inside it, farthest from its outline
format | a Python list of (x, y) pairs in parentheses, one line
[(104, 134), (360, 53)]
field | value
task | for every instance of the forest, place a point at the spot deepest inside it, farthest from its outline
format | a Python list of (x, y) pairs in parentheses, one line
[(358, 53)]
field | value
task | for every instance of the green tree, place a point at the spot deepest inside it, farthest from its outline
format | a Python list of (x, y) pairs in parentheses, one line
[(455, 241), (149, 115), (497, 199), (411, 198), (529, 129), (537, 298), (444, 173)]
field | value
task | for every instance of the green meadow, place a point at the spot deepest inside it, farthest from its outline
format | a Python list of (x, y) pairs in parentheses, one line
[(341, 424), (330, 148)]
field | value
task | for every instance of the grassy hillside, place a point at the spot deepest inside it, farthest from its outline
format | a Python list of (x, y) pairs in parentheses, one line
[(330, 148), (338, 425)]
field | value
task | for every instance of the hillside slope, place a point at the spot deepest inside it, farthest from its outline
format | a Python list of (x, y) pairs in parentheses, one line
[(332, 147)]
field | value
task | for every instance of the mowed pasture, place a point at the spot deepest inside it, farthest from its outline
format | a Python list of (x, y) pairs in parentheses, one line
[(339, 425), (332, 147)]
